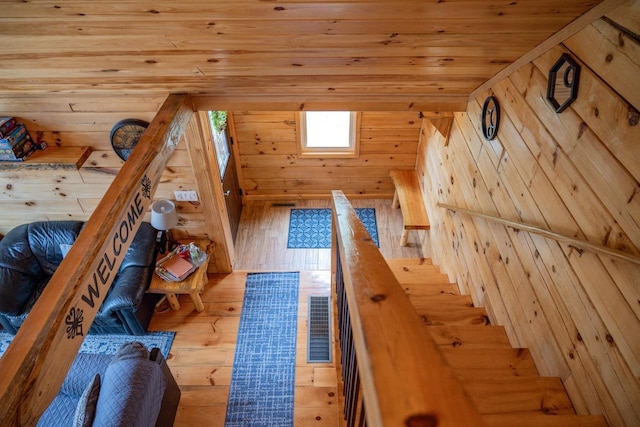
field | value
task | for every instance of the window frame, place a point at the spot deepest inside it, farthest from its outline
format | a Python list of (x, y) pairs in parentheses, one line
[(327, 152)]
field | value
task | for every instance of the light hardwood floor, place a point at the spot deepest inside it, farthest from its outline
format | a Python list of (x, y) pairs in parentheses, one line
[(201, 357), (261, 243)]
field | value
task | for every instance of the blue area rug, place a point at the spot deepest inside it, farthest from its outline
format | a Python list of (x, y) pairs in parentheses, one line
[(263, 376), (109, 344), (311, 228)]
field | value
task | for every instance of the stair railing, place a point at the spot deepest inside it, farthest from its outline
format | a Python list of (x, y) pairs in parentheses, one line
[(390, 363), (578, 244)]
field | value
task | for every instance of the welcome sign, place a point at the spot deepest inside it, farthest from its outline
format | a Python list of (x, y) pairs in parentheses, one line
[(107, 263)]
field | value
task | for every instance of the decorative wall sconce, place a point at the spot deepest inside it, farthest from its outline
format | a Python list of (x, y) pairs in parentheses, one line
[(562, 88), (163, 218), (490, 118)]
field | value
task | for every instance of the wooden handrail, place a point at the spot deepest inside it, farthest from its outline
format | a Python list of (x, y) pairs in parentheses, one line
[(571, 241), (405, 379), (38, 359)]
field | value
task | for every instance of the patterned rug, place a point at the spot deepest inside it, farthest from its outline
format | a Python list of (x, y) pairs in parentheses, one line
[(263, 376), (109, 344), (311, 228)]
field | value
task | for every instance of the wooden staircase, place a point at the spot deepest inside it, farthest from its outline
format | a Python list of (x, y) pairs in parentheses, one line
[(502, 381)]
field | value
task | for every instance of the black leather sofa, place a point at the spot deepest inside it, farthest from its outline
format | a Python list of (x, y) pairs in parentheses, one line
[(30, 254)]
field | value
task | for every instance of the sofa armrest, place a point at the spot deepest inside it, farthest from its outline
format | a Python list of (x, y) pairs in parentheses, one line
[(131, 393), (172, 394), (127, 290)]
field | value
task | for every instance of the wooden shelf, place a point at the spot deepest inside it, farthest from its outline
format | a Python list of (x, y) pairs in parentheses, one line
[(69, 158)]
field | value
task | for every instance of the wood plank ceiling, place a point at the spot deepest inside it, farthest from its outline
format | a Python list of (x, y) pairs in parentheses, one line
[(402, 54)]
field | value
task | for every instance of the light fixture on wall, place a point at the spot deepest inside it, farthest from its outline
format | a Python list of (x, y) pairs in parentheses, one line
[(163, 218)]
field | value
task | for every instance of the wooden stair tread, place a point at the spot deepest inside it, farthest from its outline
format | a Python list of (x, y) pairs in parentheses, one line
[(534, 420), (520, 394), (430, 289), (410, 262), (502, 382), (452, 315), (469, 336), (425, 302), (417, 272), (504, 361)]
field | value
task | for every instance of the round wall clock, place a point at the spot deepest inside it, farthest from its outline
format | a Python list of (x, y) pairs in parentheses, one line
[(490, 118), (125, 135)]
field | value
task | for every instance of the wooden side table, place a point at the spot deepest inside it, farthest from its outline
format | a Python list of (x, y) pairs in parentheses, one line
[(193, 285)]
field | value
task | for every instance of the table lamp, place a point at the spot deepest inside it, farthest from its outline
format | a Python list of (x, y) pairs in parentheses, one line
[(163, 218)]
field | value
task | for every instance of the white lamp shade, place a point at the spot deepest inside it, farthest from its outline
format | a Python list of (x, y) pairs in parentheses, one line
[(164, 215)]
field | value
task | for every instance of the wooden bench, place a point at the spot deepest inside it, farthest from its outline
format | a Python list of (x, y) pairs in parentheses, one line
[(408, 197)]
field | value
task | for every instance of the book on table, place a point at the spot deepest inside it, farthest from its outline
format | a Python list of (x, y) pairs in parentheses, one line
[(177, 266)]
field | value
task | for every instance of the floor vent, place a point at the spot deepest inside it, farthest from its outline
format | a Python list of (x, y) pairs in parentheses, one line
[(319, 332)]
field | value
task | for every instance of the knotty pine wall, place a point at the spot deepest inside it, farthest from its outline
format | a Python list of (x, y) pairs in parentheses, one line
[(575, 173), (38, 195), (271, 167)]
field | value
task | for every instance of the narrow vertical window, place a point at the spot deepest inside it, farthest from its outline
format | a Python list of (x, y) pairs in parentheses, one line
[(328, 133)]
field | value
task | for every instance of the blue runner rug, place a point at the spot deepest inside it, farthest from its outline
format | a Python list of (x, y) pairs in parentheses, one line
[(311, 228), (263, 375), (109, 344)]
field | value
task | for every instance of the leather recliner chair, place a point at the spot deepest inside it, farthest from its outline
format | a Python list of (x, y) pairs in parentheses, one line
[(30, 254)]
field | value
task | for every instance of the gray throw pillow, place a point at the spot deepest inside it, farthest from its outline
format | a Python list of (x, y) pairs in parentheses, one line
[(86, 409), (131, 350)]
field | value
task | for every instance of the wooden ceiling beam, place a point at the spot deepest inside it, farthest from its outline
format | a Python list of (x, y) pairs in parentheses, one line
[(450, 103)]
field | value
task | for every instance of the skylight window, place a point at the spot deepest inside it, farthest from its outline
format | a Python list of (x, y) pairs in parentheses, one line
[(328, 133)]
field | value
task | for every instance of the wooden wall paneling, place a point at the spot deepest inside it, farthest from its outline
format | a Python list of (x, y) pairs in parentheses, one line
[(389, 146), (598, 137), (606, 186), (426, 175), (533, 137), (270, 165), (319, 186), (611, 54), (574, 355), (517, 288), (109, 159), (532, 274), (627, 15), (587, 217), (547, 288), (574, 27), (392, 161), (214, 210), (455, 226), (173, 174), (610, 117), (456, 191), (376, 120), (548, 174), (76, 121), (622, 272), (9, 178)]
